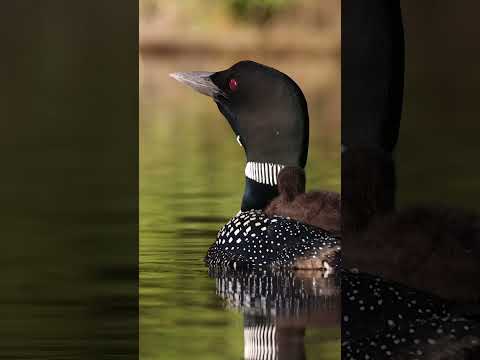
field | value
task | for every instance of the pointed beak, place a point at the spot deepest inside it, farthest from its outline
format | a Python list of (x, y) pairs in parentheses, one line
[(199, 81)]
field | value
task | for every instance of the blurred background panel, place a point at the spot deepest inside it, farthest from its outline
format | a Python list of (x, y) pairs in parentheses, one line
[(241, 26), (191, 167), (438, 149), (69, 179)]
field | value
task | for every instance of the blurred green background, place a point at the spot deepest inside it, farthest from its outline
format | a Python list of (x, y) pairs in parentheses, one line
[(69, 184), (438, 146), (191, 167)]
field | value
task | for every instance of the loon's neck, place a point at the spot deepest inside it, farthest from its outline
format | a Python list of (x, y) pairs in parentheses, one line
[(257, 195), (260, 184)]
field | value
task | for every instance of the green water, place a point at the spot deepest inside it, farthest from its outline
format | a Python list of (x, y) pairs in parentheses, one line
[(191, 182)]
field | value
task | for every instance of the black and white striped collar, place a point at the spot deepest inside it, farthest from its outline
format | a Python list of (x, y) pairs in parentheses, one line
[(264, 173)]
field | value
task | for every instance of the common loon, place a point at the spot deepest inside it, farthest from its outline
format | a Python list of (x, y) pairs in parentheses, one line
[(268, 113)]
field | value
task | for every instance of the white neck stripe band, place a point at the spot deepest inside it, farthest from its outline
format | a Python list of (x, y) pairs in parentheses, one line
[(264, 173)]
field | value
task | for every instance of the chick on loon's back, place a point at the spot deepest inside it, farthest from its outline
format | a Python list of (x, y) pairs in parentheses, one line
[(317, 208)]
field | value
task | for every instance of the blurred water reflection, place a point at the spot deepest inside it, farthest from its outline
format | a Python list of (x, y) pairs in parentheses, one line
[(279, 307), (191, 181)]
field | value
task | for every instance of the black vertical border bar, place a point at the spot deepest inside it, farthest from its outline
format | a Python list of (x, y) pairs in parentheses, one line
[(69, 179)]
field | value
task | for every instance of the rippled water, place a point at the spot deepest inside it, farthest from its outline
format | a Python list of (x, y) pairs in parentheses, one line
[(191, 182)]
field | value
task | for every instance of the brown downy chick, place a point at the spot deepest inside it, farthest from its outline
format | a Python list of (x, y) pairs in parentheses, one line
[(445, 259), (317, 208)]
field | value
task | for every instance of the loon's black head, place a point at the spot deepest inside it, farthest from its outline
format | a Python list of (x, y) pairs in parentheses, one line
[(268, 114)]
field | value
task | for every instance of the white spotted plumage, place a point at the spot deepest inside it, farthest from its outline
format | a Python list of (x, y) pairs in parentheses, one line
[(257, 241)]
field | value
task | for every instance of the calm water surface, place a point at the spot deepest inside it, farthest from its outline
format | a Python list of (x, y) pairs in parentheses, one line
[(191, 182)]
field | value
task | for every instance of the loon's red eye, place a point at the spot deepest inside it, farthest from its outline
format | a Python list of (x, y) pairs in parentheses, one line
[(233, 84)]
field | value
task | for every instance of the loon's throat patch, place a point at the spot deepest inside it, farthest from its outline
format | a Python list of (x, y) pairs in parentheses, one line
[(264, 173)]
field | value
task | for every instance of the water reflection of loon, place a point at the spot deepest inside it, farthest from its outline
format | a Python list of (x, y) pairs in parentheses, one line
[(380, 319), (278, 307)]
